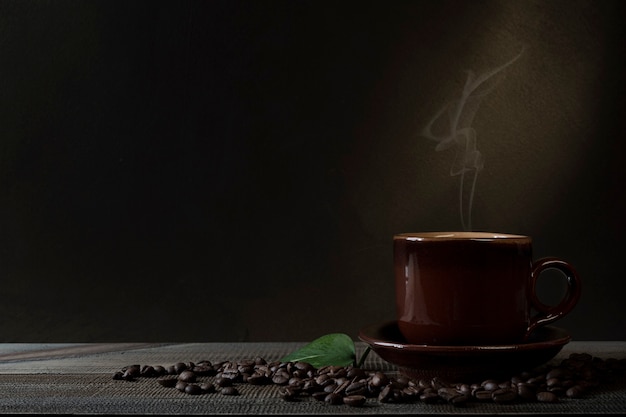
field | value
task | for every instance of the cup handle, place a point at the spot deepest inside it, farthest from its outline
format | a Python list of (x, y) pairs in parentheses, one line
[(547, 314)]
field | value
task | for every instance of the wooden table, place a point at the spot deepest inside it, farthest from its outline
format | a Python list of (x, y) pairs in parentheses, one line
[(78, 379)]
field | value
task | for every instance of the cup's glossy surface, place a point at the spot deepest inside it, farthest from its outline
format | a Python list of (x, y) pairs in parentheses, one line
[(460, 288)]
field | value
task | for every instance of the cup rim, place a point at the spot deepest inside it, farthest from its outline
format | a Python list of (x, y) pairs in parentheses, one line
[(456, 236)]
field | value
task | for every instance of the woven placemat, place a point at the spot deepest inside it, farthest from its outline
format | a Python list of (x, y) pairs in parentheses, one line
[(83, 384)]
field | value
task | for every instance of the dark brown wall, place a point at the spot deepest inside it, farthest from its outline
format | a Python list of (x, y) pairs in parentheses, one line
[(235, 170)]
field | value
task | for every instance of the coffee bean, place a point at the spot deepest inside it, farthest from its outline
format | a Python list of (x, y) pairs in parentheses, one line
[(288, 393), (482, 395), (193, 389), (357, 388), (295, 382), (334, 398), (411, 393), (147, 371), (204, 370), (430, 397), (557, 390), (422, 383), (356, 373), (323, 379), (223, 382), (187, 376), (553, 382), (330, 388), (159, 370), (258, 379), (167, 381), (310, 386), (460, 400), (448, 393), (576, 391), (338, 371), (181, 385), (547, 397), (304, 366), (464, 388), (537, 380), (207, 387), (526, 391), (516, 379), (490, 385), (354, 400), (438, 383), (230, 390), (402, 382), (319, 395), (280, 379), (386, 394), (133, 370), (504, 395), (379, 379), (559, 373), (179, 367)]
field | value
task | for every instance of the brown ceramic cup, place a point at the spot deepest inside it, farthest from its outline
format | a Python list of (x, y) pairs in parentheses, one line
[(473, 288)]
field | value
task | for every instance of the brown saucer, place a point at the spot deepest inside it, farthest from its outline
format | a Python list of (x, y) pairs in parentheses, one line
[(463, 363)]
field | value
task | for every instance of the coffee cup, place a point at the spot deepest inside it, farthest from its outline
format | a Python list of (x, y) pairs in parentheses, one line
[(473, 288)]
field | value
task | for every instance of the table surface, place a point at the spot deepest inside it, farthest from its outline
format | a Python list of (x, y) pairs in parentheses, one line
[(76, 378)]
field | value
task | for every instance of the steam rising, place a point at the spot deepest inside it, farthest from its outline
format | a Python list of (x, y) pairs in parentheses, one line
[(458, 134)]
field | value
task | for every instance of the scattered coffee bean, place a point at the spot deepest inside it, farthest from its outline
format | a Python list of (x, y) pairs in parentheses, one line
[(504, 395), (179, 367), (207, 387), (574, 377), (319, 395), (288, 394), (430, 397), (223, 382), (386, 394), (547, 397), (148, 371), (357, 388), (159, 370), (193, 389), (187, 376), (460, 400), (526, 391), (280, 379), (354, 400), (448, 393), (334, 398), (167, 381), (483, 395), (379, 380), (490, 385), (577, 391), (229, 391)]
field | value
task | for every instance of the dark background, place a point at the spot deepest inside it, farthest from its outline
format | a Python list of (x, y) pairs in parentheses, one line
[(235, 170)]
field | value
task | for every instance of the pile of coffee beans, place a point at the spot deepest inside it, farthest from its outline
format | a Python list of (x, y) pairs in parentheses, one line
[(574, 377)]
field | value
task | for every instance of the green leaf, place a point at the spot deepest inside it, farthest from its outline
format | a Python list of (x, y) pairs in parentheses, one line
[(336, 349)]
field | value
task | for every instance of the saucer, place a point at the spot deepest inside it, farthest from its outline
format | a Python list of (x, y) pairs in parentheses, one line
[(463, 363)]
